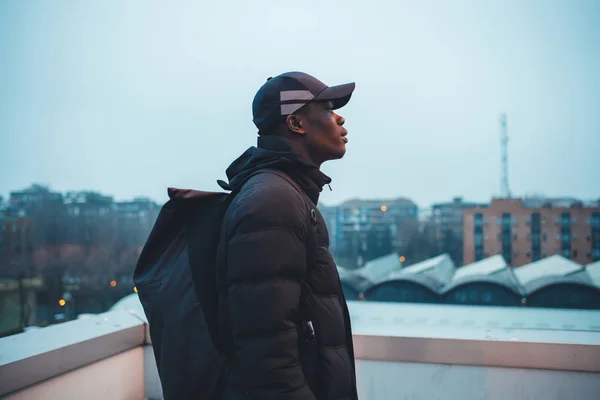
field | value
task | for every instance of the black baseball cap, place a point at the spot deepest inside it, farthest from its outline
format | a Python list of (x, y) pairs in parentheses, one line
[(287, 93)]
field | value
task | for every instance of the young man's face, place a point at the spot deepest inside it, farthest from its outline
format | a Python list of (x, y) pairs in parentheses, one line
[(324, 131)]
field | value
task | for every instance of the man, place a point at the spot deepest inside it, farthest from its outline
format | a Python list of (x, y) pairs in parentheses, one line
[(282, 314)]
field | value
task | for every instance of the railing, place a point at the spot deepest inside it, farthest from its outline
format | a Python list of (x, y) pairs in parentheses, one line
[(402, 350)]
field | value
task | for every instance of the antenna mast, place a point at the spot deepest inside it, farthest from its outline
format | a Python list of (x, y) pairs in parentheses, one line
[(504, 188)]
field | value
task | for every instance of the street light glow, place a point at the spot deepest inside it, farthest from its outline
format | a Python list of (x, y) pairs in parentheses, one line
[(113, 283), (62, 302)]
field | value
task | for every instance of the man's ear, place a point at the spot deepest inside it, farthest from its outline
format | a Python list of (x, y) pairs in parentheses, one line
[(294, 124)]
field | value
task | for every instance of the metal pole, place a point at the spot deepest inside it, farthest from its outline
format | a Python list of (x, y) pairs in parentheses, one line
[(504, 187)]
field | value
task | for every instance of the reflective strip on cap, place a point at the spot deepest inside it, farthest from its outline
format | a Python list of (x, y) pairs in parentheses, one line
[(287, 109), (296, 95)]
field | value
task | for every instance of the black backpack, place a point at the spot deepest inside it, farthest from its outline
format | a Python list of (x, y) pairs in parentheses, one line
[(178, 291)]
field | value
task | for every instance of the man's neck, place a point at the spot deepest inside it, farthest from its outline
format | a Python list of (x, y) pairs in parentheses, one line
[(295, 147)]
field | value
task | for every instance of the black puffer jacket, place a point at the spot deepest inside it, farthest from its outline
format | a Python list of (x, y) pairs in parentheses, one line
[(267, 288)]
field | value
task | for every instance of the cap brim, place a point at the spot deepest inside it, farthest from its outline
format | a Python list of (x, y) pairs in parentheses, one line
[(338, 95)]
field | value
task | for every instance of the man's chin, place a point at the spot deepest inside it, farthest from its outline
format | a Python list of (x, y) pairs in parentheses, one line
[(340, 154), (336, 155)]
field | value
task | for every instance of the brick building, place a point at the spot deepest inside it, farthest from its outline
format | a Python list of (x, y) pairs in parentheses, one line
[(524, 231)]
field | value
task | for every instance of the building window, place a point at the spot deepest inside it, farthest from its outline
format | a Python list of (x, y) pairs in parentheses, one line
[(595, 220), (595, 236), (575, 253), (506, 237), (478, 232), (478, 239), (536, 245), (486, 297), (565, 230)]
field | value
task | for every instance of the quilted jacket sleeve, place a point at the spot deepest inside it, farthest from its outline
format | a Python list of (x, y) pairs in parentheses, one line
[(266, 260)]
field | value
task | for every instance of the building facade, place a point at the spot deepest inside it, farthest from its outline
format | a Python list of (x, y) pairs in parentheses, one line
[(366, 229), (15, 242), (448, 217), (524, 231), (447, 225)]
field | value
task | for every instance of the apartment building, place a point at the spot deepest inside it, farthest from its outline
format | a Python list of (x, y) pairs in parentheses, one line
[(366, 229), (527, 230)]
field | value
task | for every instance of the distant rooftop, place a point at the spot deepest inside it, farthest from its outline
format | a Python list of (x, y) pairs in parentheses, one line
[(456, 201), (433, 273), (426, 265), (492, 270), (555, 265), (403, 201), (357, 282), (486, 266), (375, 270), (541, 202), (593, 271), (83, 197), (558, 202), (440, 268)]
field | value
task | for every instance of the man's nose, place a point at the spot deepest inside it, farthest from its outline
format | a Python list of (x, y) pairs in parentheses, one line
[(340, 120)]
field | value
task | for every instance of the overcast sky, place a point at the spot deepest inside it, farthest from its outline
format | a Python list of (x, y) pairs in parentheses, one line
[(129, 97)]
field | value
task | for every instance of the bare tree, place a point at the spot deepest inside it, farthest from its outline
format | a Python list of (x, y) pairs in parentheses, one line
[(417, 243)]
